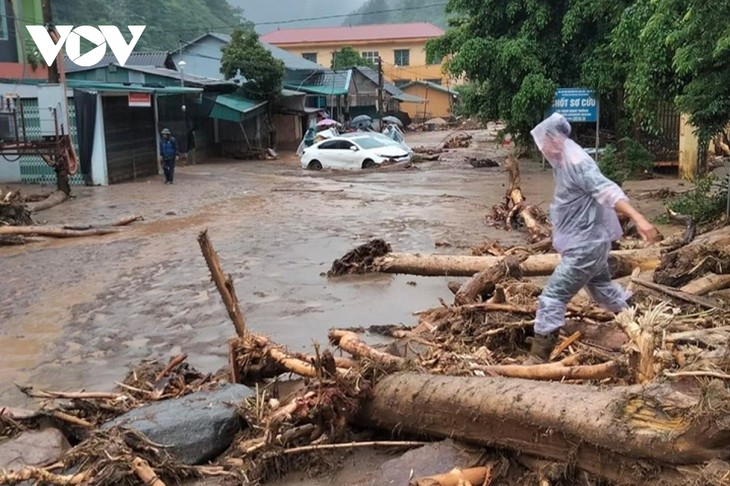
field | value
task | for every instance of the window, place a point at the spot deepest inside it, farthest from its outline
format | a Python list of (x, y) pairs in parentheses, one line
[(330, 144), (434, 81), (3, 21), (402, 57), (310, 56), (371, 56), (401, 82)]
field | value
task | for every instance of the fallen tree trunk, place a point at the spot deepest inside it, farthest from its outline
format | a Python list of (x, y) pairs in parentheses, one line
[(54, 231), (623, 262), (54, 199), (708, 283), (629, 435), (487, 279)]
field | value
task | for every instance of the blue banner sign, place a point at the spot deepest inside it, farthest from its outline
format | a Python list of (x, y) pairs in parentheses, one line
[(575, 104)]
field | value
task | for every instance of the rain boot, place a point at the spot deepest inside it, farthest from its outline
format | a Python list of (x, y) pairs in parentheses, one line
[(542, 346)]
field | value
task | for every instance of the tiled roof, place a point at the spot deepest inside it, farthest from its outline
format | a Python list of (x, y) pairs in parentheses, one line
[(380, 32), (151, 58)]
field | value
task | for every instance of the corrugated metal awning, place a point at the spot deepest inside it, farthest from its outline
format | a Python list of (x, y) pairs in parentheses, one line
[(234, 108), (130, 88)]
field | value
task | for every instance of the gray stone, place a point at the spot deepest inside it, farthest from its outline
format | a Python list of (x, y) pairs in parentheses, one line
[(195, 428), (434, 458), (33, 448)]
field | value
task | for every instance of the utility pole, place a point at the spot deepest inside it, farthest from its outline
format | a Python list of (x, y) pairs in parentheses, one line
[(380, 86), (53, 76)]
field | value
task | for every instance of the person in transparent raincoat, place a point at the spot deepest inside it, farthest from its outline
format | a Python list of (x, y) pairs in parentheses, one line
[(585, 222)]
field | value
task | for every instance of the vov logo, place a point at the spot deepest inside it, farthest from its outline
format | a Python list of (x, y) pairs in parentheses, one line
[(70, 36)]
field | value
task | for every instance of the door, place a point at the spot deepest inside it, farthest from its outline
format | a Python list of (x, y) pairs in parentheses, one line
[(327, 153), (351, 159)]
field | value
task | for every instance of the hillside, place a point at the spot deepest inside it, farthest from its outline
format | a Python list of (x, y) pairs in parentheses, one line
[(405, 11), (279, 14), (168, 21)]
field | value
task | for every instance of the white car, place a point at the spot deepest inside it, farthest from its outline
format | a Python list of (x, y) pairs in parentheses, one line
[(356, 151)]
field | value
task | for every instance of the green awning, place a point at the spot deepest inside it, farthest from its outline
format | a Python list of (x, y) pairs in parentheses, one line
[(234, 108)]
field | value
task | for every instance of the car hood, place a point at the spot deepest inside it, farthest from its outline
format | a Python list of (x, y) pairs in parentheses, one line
[(391, 151)]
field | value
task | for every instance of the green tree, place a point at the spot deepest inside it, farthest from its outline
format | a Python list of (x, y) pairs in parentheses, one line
[(245, 56), (348, 57), (702, 59), (263, 74), (512, 52)]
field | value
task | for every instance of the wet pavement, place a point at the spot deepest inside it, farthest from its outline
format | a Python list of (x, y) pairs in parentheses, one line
[(76, 313)]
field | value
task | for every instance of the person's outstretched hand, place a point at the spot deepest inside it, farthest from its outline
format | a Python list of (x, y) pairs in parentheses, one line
[(647, 231)]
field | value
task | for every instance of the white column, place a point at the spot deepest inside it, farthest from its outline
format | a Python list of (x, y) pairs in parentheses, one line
[(99, 170)]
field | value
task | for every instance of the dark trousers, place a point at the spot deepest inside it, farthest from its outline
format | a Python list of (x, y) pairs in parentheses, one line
[(168, 166)]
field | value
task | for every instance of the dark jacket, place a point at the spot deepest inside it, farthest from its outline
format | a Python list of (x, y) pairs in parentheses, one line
[(168, 148)]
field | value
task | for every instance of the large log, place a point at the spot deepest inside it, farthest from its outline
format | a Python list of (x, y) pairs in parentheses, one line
[(623, 261), (629, 435)]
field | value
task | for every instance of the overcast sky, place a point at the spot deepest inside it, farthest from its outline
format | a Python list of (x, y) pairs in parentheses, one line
[(278, 10)]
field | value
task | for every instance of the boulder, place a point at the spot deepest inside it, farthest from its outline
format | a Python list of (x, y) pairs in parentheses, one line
[(195, 428), (33, 448), (431, 459)]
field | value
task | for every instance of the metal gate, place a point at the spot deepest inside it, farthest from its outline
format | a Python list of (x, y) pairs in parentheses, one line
[(33, 169)]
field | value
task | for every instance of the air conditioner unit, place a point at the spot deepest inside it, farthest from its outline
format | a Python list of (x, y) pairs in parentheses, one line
[(7, 127)]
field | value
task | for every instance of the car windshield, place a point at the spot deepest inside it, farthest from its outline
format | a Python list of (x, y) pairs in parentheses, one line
[(368, 142)]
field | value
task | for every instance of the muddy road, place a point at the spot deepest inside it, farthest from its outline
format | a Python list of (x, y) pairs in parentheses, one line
[(76, 313)]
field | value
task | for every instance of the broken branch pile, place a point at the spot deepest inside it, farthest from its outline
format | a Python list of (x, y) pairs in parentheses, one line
[(642, 397)]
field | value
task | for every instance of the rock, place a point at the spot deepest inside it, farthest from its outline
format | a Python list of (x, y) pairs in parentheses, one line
[(195, 428), (33, 448), (434, 458)]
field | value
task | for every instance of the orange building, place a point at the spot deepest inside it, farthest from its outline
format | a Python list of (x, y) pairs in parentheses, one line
[(402, 47)]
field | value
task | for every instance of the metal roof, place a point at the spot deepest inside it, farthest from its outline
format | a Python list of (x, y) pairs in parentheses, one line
[(235, 108), (431, 85), (174, 74), (149, 58), (389, 88), (291, 61), (361, 33), (328, 83), (129, 88)]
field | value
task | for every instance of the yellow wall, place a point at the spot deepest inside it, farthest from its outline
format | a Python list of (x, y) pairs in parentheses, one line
[(437, 103), (416, 70)]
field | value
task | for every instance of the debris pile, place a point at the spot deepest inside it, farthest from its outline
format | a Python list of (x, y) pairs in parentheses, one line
[(457, 140), (641, 397)]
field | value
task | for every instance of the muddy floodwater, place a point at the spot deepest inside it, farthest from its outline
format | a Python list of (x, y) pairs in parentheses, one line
[(76, 313)]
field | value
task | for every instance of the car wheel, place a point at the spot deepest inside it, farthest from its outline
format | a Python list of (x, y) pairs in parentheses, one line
[(315, 165), (368, 164)]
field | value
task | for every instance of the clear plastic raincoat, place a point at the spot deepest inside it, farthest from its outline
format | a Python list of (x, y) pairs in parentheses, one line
[(584, 225)]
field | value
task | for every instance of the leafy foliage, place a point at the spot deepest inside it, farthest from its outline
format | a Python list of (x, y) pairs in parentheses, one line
[(168, 21), (626, 160), (637, 54), (246, 56), (348, 57), (705, 203)]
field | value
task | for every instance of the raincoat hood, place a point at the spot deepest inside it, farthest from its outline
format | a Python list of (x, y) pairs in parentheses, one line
[(552, 137)]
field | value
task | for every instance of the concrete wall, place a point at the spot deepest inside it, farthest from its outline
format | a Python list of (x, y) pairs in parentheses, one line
[(437, 103)]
